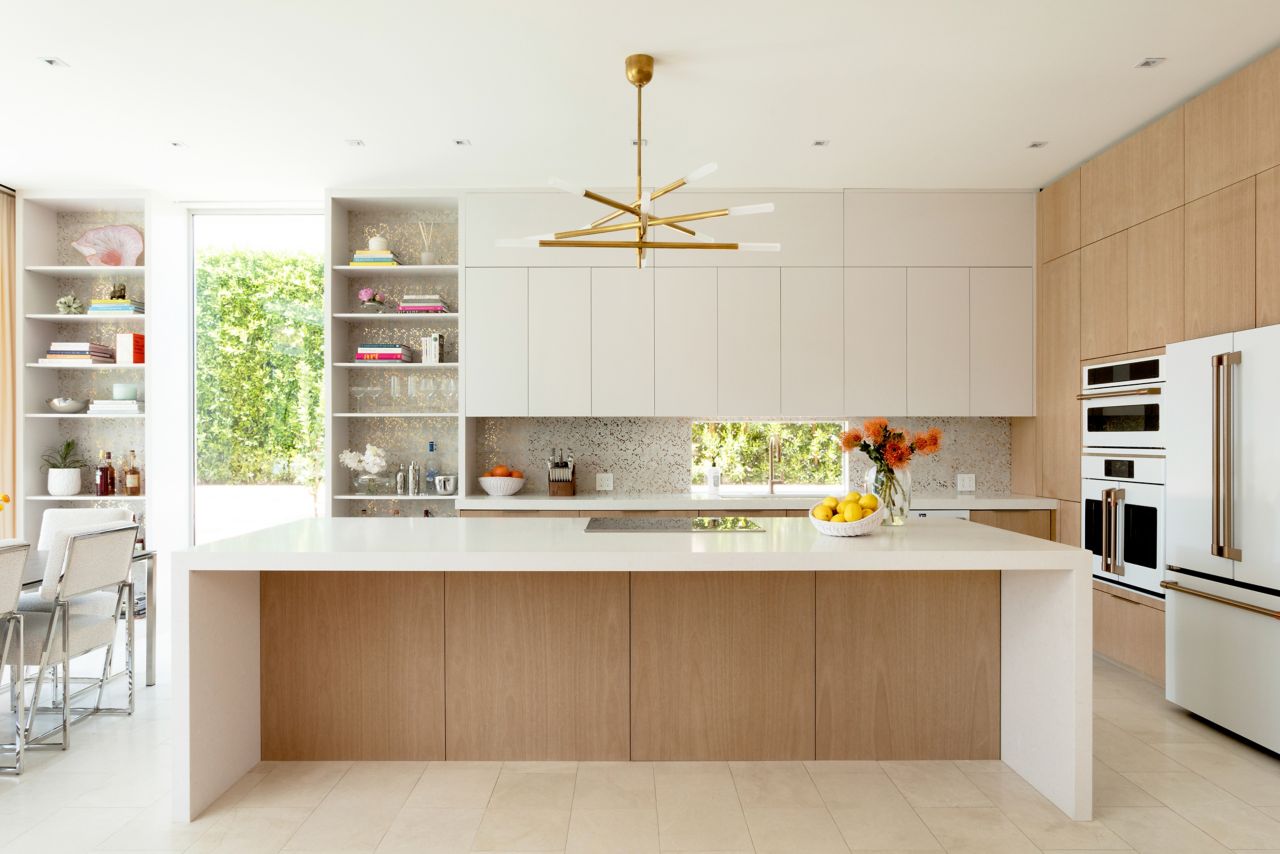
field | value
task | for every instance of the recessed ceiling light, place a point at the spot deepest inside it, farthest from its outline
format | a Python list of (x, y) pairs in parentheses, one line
[(54, 62), (1150, 62), (1038, 143), (176, 144), (356, 143), (642, 142), (462, 142), (821, 143)]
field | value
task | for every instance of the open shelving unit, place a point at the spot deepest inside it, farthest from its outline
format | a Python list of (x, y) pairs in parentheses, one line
[(402, 423), (48, 268)]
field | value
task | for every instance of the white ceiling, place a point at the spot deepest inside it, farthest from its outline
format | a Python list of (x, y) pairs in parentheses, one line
[(911, 93)]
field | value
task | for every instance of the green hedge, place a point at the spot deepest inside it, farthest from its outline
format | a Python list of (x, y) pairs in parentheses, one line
[(810, 451), (259, 367)]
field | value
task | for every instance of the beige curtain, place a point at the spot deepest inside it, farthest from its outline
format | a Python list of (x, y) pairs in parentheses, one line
[(8, 358)]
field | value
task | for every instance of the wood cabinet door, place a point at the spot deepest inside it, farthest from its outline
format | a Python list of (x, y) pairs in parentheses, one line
[(937, 341), (1033, 523), (1058, 376), (497, 341), (1104, 300), (1133, 180), (1220, 262), (749, 341), (1268, 283), (1001, 341), (685, 323), (1233, 129), (622, 346), (1154, 282), (559, 341), (1058, 218), (813, 357), (875, 340)]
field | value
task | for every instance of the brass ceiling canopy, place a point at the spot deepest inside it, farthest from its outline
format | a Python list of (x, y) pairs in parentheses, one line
[(640, 211)]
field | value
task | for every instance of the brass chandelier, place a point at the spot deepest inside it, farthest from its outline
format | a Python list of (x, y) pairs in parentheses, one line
[(639, 213)]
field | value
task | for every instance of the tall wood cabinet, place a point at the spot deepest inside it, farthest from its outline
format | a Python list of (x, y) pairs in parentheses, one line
[(1104, 297), (1220, 261), (1267, 299), (1134, 180), (1153, 281), (1058, 218), (1058, 376)]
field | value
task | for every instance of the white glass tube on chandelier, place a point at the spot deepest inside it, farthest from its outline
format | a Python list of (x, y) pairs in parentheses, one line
[(701, 172), (523, 242), (571, 189), (760, 247), (703, 237), (747, 210)]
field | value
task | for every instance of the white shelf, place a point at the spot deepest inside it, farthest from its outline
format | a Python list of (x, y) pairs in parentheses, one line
[(399, 270), (85, 271), (395, 415), (85, 415), (87, 318), (83, 497), (390, 364), (87, 367), (394, 497), (404, 317)]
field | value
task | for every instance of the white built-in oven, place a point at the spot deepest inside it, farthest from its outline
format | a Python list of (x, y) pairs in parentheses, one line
[(1121, 404), (1122, 517)]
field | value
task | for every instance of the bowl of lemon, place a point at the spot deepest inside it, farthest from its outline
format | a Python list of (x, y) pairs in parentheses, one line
[(852, 516)]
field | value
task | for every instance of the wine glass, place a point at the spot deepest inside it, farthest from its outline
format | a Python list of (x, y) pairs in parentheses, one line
[(451, 393), (358, 392), (395, 388), (373, 391)]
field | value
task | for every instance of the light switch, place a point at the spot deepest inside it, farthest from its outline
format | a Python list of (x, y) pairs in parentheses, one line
[(604, 481), (966, 483)]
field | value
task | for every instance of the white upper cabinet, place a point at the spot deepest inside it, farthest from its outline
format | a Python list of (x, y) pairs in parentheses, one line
[(490, 217), (559, 341), (812, 322), (497, 342), (875, 341), (808, 225), (1001, 343), (939, 229), (622, 342), (685, 323), (749, 351), (937, 341)]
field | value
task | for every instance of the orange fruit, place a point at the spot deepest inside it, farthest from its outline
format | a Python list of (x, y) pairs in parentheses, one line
[(501, 471), (517, 473)]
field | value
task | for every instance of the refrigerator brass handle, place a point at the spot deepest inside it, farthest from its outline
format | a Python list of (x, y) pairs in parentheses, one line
[(1215, 538), (1117, 563), (1222, 600), (1124, 392), (1228, 459)]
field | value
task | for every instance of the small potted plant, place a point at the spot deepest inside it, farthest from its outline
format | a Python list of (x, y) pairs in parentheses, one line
[(69, 304), (371, 300), (64, 465)]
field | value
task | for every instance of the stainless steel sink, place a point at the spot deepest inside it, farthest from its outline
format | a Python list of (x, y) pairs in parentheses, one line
[(699, 525)]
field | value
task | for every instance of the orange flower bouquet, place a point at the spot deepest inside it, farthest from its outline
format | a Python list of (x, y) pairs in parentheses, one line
[(890, 450)]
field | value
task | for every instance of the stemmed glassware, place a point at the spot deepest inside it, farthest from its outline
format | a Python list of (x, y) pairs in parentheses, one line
[(450, 384), (358, 392)]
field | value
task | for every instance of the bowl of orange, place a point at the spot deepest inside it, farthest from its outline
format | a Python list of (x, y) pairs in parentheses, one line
[(502, 480)]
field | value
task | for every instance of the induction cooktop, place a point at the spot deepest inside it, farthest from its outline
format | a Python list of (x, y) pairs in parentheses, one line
[(699, 525)]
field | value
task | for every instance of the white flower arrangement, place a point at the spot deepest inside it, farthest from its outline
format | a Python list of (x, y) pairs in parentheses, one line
[(373, 460)]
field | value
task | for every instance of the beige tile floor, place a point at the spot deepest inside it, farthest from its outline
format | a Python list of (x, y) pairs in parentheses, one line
[(1164, 783)]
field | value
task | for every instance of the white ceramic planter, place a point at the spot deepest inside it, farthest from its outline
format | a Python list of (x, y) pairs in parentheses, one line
[(64, 481)]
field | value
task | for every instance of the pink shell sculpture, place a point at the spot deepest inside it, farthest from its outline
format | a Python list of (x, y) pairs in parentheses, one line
[(110, 246)]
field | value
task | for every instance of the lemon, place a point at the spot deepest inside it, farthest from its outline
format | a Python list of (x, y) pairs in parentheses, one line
[(822, 512), (843, 506), (853, 496), (869, 501), (852, 513), (837, 518), (831, 502), (867, 511)]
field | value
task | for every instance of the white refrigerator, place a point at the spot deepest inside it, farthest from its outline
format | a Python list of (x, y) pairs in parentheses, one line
[(1222, 543)]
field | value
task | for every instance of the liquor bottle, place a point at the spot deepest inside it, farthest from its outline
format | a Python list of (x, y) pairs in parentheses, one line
[(132, 476), (430, 468), (104, 481), (402, 486)]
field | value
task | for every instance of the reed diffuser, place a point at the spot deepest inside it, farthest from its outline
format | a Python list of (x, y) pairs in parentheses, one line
[(426, 256)]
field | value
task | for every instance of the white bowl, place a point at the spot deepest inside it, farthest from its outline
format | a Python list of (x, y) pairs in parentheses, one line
[(502, 485), (847, 529)]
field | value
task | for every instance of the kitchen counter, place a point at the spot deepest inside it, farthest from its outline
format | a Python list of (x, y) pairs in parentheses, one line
[(697, 501), (411, 639)]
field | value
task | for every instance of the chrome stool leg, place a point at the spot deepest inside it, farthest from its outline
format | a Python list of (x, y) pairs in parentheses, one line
[(16, 698)]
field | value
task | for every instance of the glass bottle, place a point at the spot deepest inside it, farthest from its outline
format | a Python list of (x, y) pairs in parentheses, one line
[(431, 467), (104, 481), (132, 475), (401, 481)]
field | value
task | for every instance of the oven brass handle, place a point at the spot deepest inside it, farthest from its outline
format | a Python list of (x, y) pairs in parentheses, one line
[(1106, 530), (1117, 564), (1124, 392), (1222, 600)]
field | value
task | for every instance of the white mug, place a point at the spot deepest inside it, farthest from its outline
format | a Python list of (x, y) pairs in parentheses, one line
[(446, 484)]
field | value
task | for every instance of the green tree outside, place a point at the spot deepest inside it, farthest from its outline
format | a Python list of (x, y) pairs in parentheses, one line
[(810, 451), (260, 368)]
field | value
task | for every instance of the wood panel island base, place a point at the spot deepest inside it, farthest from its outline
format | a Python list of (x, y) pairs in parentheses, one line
[(530, 639)]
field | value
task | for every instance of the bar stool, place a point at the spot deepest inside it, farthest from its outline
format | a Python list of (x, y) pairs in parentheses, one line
[(13, 558), (56, 519)]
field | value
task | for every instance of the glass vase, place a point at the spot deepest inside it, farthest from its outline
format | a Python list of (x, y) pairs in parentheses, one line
[(372, 484), (893, 488)]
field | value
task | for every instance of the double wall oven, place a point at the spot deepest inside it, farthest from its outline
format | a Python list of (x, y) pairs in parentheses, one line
[(1122, 472)]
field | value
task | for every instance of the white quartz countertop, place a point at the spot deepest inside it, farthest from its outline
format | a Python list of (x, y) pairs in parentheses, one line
[(524, 544), (743, 501)]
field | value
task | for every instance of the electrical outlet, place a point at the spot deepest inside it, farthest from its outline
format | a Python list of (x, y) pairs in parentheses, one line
[(966, 483), (604, 481)]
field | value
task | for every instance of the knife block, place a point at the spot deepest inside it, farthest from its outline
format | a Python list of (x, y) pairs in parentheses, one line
[(562, 488)]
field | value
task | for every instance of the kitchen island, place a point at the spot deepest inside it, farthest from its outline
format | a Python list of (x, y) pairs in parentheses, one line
[(532, 639)]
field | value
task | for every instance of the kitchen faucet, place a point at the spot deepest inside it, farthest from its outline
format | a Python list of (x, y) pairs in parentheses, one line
[(775, 456)]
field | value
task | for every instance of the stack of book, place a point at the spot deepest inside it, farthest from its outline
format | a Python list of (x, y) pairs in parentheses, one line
[(383, 353), (72, 353), (422, 304), (117, 306), (115, 407), (374, 258), (131, 348)]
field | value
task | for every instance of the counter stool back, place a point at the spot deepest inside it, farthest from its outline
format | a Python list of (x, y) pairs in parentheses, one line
[(13, 559)]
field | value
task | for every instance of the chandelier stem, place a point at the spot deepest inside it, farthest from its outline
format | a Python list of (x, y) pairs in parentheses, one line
[(640, 167)]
